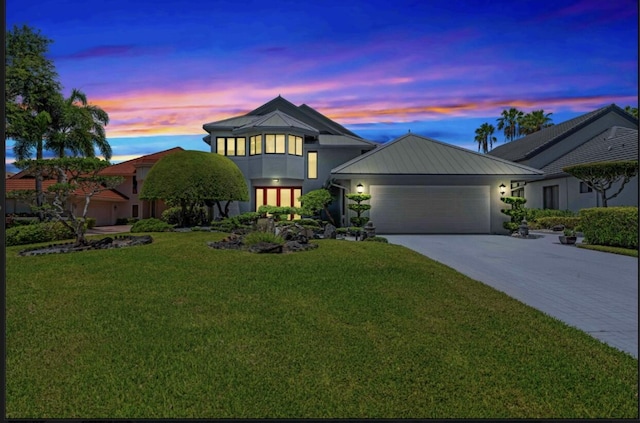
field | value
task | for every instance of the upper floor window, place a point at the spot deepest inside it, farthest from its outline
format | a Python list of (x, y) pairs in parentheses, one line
[(231, 146), (295, 145), (312, 165), (255, 145), (274, 143)]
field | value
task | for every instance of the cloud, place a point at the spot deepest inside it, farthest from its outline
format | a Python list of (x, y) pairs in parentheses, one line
[(104, 51)]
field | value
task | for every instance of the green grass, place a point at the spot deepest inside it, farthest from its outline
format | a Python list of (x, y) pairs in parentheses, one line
[(607, 249), (351, 330)]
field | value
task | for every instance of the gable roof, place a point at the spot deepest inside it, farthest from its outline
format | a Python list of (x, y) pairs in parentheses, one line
[(529, 146), (616, 143), (304, 114), (347, 140), (29, 183), (416, 155), (129, 167)]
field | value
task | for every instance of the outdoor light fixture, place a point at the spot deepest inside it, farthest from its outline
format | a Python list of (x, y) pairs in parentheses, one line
[(360, 188), (276, 180), (502, 190)]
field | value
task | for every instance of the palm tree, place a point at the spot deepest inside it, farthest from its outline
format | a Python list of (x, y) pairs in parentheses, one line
[(484, 137), (633, 111), (509, 122), (78, 128), (534, 121)]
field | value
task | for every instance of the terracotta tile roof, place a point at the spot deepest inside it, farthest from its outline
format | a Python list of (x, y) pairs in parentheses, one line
[(129, 167), (15, 184)]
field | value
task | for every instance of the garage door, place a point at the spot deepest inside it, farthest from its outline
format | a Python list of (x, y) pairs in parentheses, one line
[(430, 209)]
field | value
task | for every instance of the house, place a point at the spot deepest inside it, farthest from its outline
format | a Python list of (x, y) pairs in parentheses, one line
[(107, 206), (418, 185), (283, 150), (606, 134)]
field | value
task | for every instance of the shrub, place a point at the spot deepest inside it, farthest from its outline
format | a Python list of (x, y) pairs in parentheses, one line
[(151, 225), (39, 232), (377, 239), (248, 218), (517, 212), (611, 226), (258, 237), (307, 222), (550, 222), (23, 222), (278, 213), (90, 222), (173, 216), (533, 215)]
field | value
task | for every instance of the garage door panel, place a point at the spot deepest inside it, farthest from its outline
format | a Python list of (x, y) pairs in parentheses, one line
[(430, 209)]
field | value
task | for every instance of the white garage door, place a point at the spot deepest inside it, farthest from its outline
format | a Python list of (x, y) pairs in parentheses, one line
[(430, 209)]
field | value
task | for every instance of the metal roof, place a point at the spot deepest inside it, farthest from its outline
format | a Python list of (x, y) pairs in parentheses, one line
[(230, 123), (276, 120), (616, 143), (531, 145), (326, 139), (416, 155)]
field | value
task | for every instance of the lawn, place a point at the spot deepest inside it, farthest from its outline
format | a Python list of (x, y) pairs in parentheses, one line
[(350, 330)]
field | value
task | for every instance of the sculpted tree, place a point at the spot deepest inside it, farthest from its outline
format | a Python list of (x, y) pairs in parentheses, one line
[(315, 201), (601, 176), (78, 177), (191, 178), (359, 208)]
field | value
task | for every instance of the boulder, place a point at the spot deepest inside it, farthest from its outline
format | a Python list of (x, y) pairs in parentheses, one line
[(329, 231)]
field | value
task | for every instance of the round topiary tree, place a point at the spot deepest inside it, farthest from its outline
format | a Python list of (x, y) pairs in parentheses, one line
[(191, 178)]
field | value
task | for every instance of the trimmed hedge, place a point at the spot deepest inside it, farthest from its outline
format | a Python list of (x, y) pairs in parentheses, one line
[(38, 232), (550, 222), (534, 214), (151, 225), (611, 226)]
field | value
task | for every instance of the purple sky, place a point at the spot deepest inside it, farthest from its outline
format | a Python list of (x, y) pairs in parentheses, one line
[(161, 69)]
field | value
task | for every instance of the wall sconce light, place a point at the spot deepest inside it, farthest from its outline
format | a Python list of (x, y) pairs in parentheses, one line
[(276, 180), (360, 188), (503, 189)]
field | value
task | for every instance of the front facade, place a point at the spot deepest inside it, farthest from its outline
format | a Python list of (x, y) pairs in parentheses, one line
[(283, 151), (606, 134)]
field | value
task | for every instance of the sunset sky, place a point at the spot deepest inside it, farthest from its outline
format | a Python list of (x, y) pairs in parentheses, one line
[(162, 69)]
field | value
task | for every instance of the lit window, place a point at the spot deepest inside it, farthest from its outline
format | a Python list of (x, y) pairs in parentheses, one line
[(295, 145), (220, 146), (281, 197), (280, 144), (241, 146), (231, 146), (255, 145), (269, 144), (312, 165)]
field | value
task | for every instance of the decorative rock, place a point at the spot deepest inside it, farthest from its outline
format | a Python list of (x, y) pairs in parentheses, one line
[(369, 230), (329, 231), (108, 242), (265, 247)]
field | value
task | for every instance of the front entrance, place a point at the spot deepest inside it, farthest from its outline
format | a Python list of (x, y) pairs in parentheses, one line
[(278, 196)]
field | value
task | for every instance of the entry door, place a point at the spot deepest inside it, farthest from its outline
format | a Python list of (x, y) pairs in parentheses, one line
[(278, 196)]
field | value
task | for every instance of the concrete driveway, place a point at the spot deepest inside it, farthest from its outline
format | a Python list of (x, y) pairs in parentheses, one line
[(594, 291)]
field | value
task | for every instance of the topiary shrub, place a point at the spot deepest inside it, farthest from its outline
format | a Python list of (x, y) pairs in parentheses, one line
[(174, 216), (611, 226), (39, 232), (258, 237), (90, 222), (517, 212), (307, 222), (151, 225), (278, 213)]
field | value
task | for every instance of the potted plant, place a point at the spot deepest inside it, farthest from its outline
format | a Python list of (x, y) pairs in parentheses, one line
[(569, 237)]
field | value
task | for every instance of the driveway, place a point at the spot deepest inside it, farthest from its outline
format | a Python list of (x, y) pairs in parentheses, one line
[(594, 291)]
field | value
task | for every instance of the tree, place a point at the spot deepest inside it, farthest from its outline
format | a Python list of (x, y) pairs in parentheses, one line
[(484, 137), (633, 111), (509, 123), (534, 121), (516, 213), (31, 84), (359, 208), (77, 177), (601, 176), (189, 178), (315, 201), (78, 128)]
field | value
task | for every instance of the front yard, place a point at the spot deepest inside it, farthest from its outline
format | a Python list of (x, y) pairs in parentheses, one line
[(351, 329)]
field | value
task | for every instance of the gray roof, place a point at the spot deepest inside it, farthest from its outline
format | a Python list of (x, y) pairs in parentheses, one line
[(531, 145), (416, 155), (616, 143), (326, 139), (230, 123), (276, 120)]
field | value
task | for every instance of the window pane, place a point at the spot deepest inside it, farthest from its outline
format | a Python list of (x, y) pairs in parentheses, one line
[(291, 145), (272, 196), (280, 143), (241, 146), (298, 146), (220, 146), (270, 144), (231, 146), (258, 144), (259, 198), (297, 192), (252, 146), (312, 165), (285, 197)]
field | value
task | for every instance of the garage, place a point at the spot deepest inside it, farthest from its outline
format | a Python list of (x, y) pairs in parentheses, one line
[(430, 209)]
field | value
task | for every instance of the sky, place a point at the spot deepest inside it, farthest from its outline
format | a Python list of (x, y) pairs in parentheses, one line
[(162, 69)]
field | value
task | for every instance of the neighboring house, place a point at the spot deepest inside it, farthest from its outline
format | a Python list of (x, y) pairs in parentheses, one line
[(606, 134), (283, 150), (418, 185), (106, 206)]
